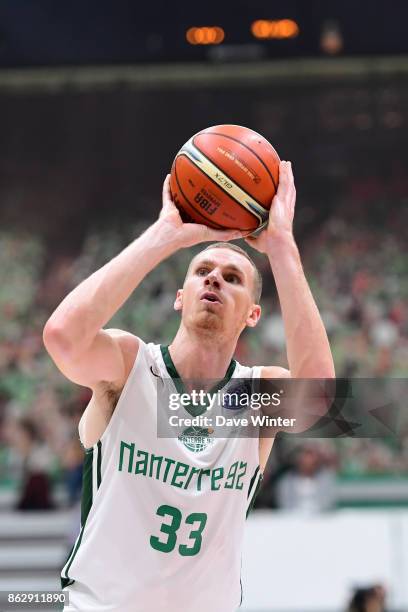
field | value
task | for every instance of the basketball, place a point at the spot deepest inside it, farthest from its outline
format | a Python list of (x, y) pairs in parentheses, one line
[(225, 177)]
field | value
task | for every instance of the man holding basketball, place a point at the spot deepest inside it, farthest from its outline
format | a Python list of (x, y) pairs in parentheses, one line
[(162, 524)]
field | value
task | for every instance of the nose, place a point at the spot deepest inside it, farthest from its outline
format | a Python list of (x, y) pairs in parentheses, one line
[(213, 279)]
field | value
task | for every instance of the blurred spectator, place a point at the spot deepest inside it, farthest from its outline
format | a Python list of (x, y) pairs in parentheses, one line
[(309, 486), (35, 492), (72, 461), (369, 599)]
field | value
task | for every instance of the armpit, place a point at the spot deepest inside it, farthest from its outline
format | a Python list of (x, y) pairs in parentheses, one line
[(107, 397), (98, 413)]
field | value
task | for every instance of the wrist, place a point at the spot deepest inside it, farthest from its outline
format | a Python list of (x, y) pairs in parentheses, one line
[(281, 243), (165, 236), (283, 255)]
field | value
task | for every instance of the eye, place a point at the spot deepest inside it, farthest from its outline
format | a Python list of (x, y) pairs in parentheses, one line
[(232, 278), (201, 271)]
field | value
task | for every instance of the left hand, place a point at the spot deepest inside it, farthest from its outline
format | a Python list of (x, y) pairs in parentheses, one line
[(187, 234), (281, 213)]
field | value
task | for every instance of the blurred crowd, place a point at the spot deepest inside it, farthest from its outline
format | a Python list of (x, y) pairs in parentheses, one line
[(370, 598), (357, 271)]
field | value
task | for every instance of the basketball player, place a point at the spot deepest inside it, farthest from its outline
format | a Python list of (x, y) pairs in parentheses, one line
[(162, 521)]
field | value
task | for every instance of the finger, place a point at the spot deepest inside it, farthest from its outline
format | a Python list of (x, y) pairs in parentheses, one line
[(292, 188), (224, 235), (290, 177), (290, 169), (285, 179), (166, 186), (209, 234), (283, 174), (167, 199), (166, 189)]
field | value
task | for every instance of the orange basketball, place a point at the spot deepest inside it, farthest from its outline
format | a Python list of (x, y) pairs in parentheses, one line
[(225, 177)]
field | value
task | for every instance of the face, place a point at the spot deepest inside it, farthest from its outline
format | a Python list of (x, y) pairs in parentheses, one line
[(308, 461), (218, 293)]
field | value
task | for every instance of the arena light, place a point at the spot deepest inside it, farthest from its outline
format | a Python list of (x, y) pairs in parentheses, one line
[(281, 28), (207, 35), (331, 38)]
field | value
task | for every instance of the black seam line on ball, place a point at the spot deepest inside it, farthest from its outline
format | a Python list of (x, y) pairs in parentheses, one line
[(266, 211), (244, 145), (230, 178), (245, 229), (233, 181)]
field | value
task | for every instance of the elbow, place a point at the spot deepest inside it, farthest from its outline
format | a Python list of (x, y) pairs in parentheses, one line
[(55, 339)]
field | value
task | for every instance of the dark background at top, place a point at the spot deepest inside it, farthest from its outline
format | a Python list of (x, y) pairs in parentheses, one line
[(73, 154), (49, 32), (75, 160)]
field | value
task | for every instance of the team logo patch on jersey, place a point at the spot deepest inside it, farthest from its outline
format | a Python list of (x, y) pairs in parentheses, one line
[(196, 439), (235, 391)]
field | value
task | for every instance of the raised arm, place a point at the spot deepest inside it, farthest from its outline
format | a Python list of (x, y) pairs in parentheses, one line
[(74, 335), (307, 345)]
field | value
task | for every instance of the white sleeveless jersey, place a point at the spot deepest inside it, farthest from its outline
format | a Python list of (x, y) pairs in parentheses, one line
[(162, 518)]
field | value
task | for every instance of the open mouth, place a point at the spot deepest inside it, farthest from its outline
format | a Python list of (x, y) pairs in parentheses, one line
[(209, 296)]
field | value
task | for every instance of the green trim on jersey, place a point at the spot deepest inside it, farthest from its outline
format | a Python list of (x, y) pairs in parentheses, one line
[(254, 489), (178, 383), (86, 502), (87, 485), (98, 467)]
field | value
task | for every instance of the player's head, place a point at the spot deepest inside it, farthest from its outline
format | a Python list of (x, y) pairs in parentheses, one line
[(229, 276)]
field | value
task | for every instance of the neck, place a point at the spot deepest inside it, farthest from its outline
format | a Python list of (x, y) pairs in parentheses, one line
[(201, 356)]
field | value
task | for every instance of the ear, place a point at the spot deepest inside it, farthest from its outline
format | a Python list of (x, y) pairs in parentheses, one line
[(178, 304), (254, 315)]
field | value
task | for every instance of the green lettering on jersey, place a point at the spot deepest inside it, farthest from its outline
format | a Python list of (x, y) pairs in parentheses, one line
[(141, 466), (181, 469), (243, 467), (166, 471), (159, 460), (192, 472), (179, 474), (201, 474), (131, 448), (231, 476), (216, 474)]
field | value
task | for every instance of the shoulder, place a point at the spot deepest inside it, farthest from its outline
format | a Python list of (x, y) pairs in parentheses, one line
[(261, 371), (273, 372), (121, 334), (107, 393), (128, 345), (127, 341)]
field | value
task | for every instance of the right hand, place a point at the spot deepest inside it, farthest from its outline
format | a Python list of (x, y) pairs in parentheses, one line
[(188, 234)]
